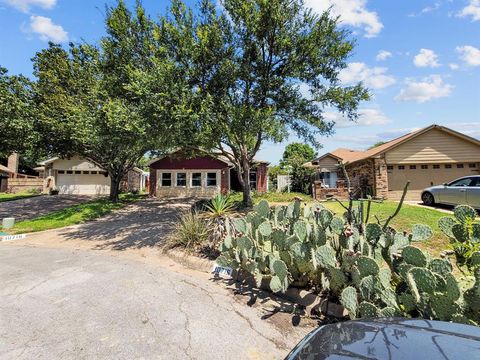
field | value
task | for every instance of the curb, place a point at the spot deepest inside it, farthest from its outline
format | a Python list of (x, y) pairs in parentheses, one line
[(307, 299)]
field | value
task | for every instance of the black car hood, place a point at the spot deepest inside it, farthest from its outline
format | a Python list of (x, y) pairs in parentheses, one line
[(396, 338)]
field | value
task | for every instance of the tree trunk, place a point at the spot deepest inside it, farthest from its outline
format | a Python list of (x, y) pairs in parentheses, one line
[(244, 179), (115, 180)]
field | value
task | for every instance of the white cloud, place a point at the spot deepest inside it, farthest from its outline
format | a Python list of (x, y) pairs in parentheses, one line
[(429, 88), (25, 5), (471, 10), (469, 54), (367, 117), (351, 12), (426, 58), (374, 77), (47, 30), (454, 66), (383, 55)]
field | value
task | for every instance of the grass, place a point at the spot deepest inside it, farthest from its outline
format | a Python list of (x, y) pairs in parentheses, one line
[(73, 215), (20, 195), (408, 216), (272, 197)]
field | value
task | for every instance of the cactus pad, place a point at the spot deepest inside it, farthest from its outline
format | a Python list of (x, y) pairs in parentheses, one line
[(300, 230), (240, 225), (368, 310), (262, 209), (408, 301), (465, 214), (276, 284), (348, 299), (325, 217), (421, 279), (367, 266), (474, 260), (460, 232), (440, 266), (244, 243), (388, 311), (414, 256), (265, 228), (445, 224), (367, 287), (337, 225), (338, 280), (325, 256), (280, 269), (373, 232), (421, 232)]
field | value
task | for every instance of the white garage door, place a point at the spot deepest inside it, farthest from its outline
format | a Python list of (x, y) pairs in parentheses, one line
[(83, 184)]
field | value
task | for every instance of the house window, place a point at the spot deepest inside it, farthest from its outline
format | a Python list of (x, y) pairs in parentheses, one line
[(70, 172), (401, 167), (181, 179), (390, 167), (471, 166), (253, 180), (166, 179), (94, 172), (448, 166), (211, 179), (78, 172), (413, 167), (61, 171), (85, 172), (436, 166), (459, 166), (196, 179), (424, 167)]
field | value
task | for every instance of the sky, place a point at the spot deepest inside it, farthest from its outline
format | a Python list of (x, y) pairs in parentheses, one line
[(419, 58)]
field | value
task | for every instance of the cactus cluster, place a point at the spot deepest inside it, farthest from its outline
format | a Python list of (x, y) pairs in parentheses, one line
[(371, 269), (464, 235)]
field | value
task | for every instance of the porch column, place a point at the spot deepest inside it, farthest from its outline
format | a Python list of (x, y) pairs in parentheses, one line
[(381, 178)]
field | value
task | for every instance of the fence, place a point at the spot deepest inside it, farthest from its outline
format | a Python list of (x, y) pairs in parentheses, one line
[(282, 182), (21, 184)]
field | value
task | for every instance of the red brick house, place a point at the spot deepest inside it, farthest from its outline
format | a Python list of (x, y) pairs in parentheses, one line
[(202, 176)]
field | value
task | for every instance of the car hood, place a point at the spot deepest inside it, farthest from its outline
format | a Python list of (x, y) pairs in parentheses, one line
[(395, 338)]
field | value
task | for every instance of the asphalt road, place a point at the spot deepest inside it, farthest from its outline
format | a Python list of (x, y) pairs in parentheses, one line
[(61, 303)]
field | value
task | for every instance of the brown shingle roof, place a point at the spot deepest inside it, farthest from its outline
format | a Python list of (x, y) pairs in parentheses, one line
[(351, 156)]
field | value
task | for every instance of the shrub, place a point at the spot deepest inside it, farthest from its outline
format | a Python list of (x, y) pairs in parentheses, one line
[(219, 206), (189, 232), (370, 268)]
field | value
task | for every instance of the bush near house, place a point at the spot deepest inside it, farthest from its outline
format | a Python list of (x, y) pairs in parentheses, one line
[(370, 268)]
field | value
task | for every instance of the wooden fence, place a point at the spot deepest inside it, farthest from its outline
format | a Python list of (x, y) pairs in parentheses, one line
[(16, 185)]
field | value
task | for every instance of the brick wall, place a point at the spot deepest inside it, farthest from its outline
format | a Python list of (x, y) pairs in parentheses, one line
[(152, 188), (262, 178), (225, 180), (362, 177), (381, 178)]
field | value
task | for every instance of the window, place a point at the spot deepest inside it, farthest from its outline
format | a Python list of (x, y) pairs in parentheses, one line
[(78, 172), (413, 167), (196, 179), (212, 179), (166, 179), (448, 166), (85, 172), (436, 166), (253, 180), (461, 182), (181, 179), (390, 167), (70, 172), (401, 167), (459, 166), (424, 167), (471, 166), (61, 171), (94, 172)]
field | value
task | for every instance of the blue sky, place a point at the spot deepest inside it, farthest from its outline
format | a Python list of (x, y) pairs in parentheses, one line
[(420, 59)]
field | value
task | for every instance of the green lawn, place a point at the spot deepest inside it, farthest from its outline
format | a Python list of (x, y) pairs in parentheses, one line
[(272, 197), (17, 196), (74, 215)]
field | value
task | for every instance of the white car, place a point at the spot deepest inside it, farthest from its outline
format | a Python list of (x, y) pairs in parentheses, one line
[(465, 190)]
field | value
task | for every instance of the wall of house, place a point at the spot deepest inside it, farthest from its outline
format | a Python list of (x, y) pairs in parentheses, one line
[(326, 164), (262, 177), (434, 146), (75, 163), (189, 190), (131, 181), (362, 177)]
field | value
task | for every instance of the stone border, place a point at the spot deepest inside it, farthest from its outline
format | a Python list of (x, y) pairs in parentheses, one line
[(308, 299)]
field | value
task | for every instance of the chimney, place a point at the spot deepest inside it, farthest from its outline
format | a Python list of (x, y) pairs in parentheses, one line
[(13, 162)]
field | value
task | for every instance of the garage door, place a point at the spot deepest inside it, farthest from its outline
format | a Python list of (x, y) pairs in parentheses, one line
[(422, 176), (83, 184)]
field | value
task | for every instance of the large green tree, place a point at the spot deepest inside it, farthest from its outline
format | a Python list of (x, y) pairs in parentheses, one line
[(16, 114), (91, 100), (266, 68), (294, 156)]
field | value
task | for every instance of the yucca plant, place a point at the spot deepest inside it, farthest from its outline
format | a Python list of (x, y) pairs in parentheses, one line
[(219, 206), (190, 231)]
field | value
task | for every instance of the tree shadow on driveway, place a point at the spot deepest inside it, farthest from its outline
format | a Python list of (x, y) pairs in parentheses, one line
[(146, 223)]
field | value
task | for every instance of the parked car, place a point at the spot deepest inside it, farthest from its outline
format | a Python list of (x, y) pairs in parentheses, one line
[(395, 338), (465, 190)]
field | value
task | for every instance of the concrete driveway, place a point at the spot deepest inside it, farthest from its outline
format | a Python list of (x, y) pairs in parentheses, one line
[(28, 208), (61, 303)]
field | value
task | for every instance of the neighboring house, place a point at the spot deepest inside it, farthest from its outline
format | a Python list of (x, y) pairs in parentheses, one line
[(135, 180), (200, 176), (79, 176), (5, 173), (430, 156)]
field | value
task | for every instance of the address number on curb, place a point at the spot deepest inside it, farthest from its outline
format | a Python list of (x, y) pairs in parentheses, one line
[(222, 270), (13, 237)]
